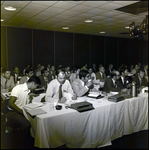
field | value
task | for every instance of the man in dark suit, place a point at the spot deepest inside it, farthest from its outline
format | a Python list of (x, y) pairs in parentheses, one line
[(45, 78), (101, 74), (109, 70), (140, 79), (124, 81), (111, 83), (16, 75)]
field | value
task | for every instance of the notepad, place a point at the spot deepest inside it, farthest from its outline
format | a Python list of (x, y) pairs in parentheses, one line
[(93, 94), (37, 111), (33, 105)]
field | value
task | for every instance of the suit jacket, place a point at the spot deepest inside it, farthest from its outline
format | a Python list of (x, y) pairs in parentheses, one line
[(98, 76), (143, 83), (127, 80), (109, 86), (43, 82), (16, 79), (78, 88), (108, 73)]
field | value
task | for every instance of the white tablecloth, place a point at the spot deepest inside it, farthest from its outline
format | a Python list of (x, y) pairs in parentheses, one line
[(89, 129)]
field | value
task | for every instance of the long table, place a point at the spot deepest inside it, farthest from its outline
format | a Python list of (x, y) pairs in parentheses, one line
[(90, 129)]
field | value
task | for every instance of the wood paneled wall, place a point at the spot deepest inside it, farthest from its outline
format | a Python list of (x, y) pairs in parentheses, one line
[(20, 46)]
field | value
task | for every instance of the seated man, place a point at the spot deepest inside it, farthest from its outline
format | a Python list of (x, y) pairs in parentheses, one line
[(28, 73), (16, 75), (82, 85), (140, 79), (7, 81), (19, 97), (111, 83), (57, 87), (124, 81), (101, 76), (45, 78), (109, 70)]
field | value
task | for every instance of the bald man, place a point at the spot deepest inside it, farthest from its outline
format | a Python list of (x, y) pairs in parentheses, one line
[(57, 87)]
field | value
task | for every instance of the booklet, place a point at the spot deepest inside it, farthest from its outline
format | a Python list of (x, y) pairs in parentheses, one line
[(94, 95), (37, 111), (33, 105)]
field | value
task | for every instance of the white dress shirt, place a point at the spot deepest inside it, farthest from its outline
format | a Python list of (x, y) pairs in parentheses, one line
[(21, 92), (52, 93)]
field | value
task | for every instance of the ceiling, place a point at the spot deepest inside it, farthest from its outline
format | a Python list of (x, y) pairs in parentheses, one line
[(109, 16)]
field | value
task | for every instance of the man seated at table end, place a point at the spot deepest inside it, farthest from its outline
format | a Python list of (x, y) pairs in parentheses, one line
[(20, 96)]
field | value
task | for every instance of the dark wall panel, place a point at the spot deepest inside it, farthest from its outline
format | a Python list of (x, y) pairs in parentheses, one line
[(81, 49), (19, 47), (123, 51), (111, 52), (134, 55), (144, 52), (3, 47), (63, 49), (97, 50), (43, 47)]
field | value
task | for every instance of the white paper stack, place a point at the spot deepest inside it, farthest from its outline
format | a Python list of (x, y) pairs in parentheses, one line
[(93, 94), (33, 105)]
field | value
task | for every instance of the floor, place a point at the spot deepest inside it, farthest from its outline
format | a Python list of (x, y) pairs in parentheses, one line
[(137, 140)]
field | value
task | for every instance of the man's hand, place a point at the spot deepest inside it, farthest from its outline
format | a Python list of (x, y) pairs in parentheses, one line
[(63, 100), (74, 97), (90, 84)]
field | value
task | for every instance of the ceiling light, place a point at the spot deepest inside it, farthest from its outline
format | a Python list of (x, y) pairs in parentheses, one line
[(102, 32), (65, 28), (10, 8), (2, 19), (88, 20), (127, 27)]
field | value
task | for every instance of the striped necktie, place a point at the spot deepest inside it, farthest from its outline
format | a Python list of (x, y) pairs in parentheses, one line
[(60, 92)]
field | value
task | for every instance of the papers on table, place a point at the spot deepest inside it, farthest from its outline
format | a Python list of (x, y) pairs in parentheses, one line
[(33, 105), (34, 108), (93, 94), (37, 111)]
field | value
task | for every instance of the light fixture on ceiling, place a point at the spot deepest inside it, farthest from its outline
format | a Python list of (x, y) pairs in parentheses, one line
[(65, 28), (9, 8), (2, 19), (136, 31), (102, 32), (88, 20)]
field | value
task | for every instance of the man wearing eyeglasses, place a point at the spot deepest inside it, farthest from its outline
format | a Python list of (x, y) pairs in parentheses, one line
[(82, 85), (111, 83)]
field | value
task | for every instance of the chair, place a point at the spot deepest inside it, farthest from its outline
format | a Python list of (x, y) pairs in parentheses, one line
[(4, 111)]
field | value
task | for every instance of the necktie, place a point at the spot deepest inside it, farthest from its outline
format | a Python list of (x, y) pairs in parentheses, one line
[(60, 92), (140, 81), (115, 84), (6, 84)]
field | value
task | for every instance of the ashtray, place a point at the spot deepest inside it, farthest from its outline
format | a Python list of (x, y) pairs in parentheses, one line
[(58, 107)]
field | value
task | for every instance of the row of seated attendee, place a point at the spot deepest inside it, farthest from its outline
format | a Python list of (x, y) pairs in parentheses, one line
[(57, 82), (46, 74)]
